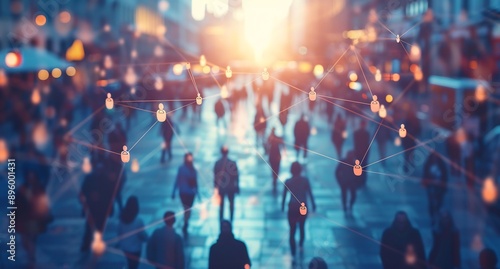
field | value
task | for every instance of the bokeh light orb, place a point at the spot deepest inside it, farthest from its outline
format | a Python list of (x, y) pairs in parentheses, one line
[(389, 98), (177, 69), (163, 5), (490, 191), (13, 59), (43, 74), (40, 20), (56, 72), (64, 17), (70, 71)]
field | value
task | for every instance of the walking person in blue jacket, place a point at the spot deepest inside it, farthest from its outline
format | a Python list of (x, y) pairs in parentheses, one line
[(187, 184)]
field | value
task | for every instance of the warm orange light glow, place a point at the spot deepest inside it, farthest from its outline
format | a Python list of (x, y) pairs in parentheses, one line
[(177, 69), (35, 97), (353, 76), (98, 245), (56, 72), (490, 191), (13, 59), (4, 151), (70, 71), (135, 166), (203, 60), (40, 134), (224, 93), (40, 20), (305, 67), (378, 76), (206, 69), (388, 98), (75, 52), (64, 17), (86, 165), (473, 64), (480, 93), (318, 70), (415, 53), (43, 74), (396, 77), (3, 78)]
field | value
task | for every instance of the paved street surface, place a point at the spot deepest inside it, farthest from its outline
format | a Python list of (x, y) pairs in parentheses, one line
[(344, 242)]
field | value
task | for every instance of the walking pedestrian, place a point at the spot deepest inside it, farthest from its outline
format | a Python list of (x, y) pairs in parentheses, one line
[(168, 129), (339, 127), (226, 181), (228, 252), (259, 124), (445, 251), (301, 133), (488, 259), (186, 182), (361, 142), (317, 263), (132, 232), (434, 180), (274, 146), (165, 248), (402, 246), (348, 182), (300, 189), (220, 111)]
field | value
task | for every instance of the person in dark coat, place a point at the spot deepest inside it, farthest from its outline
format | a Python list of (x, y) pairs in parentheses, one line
[(228, 252), (384, 136), (348, 182), (96, 197), (117, 139), (339, 127), (445, 251), (220, 111), (274, 145), (402, 246), (226, 181), (300, 188), (434, 180), (165, 248), (361, 143), (301, 132), (187, 183), (285, 102), (168, 129), (488, 259), (259, 124)]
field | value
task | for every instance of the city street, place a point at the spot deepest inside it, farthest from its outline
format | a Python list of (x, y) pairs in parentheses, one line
[(344, 242)]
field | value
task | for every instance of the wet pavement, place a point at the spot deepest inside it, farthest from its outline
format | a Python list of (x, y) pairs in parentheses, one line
[(344, 242)]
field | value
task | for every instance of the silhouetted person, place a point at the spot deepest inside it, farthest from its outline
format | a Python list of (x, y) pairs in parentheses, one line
[(168, 129), (317, 263), (96, 196), (226, 181), (398, 243), (339, 127), (488, 259), (285, 102), (274, 145), (117, 138), (361, 143), (220, 111), (132, 232), (434, 179), (165, 248), (301, 132), (445, 252), (187, 183), (34, 216), (259, 124), (228, 252), (348, 182), (300, 188), (454, 153)]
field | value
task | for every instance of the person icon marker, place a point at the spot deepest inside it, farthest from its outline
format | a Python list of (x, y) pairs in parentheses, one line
[(375, 105), (312, 94), (109, 102), (188, 66), (382, 112), (357, 168), (303, 209), (98, 245), (265, 74), (199, 100), (125, 155), (398, 38), (161, 115), (402, 131), (229, 72)]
